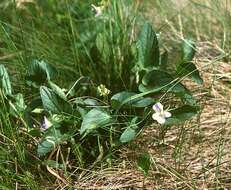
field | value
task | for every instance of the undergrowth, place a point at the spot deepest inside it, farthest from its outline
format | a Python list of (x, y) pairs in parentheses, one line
[(78, 81)]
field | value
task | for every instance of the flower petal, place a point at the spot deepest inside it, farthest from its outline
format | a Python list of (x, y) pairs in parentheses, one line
[(167, 114), (98, 10), (159, 118), (158, 107), (45, 124)]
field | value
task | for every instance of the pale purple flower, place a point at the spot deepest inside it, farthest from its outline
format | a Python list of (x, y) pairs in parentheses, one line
[(45, 124), (160, 114)]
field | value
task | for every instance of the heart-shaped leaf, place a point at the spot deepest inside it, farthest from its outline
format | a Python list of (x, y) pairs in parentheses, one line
[(188, 50), (52, 102), (57, 90), (164, 60), (144, 163), (189, 69), (46, 146), (130, 132), (182, 114), (94, 119), (40, 72), (128, 135), (157, 81), (118, 100), (5, 84), (185, 66), (52, 138), (148, 48)]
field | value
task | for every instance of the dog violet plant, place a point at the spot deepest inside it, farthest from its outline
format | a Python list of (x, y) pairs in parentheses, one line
[(81, 117)]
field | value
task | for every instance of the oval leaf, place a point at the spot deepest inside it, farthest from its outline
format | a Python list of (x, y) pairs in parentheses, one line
[(51, 102), (185, 66), (188, 50), (130, 132), (118, 99), (40, 72), (94, 119), (182, 114), (148, 48), (52, 138), (128, 135), (57, 90), (157, 81)]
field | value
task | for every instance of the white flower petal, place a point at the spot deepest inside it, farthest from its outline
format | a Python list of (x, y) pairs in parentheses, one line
[(155, 115), (98, 10), (167, 114), (98, 14), (159, 118), (158, 107)]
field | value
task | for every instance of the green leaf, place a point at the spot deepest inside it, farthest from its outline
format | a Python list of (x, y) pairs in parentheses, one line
[(144, 163), (49, 100), (35, 132), (164, 60), (130, 132), (157, 78), (182, 114), (57, 90), (188, 50), (94, 119), (35, 103), (148, 48), (19, 102), (142, 102), (185, 66), (189, 69), (81, 111), (128, 135), (5, 84), (118, 99), (52, 102), (49, 143), (40, 72), (160, 81)]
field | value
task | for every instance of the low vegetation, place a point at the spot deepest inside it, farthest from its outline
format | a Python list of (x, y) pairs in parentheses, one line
[(84, 83)]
